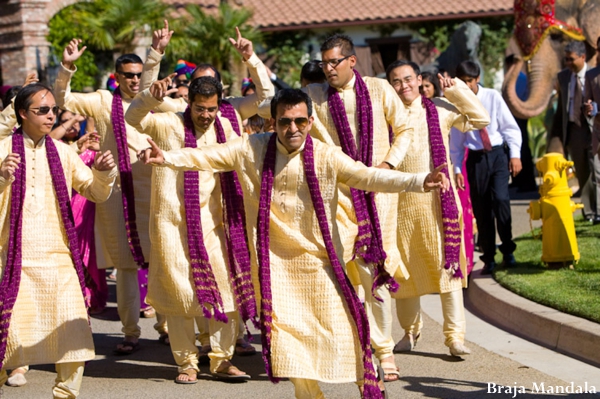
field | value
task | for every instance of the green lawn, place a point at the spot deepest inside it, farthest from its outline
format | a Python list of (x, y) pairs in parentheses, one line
[(576, 292)]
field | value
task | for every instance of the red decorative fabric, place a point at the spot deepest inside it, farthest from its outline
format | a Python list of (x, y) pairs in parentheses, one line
[(534, 19)]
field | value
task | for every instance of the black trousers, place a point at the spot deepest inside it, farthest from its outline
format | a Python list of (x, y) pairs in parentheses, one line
[(488, 177)]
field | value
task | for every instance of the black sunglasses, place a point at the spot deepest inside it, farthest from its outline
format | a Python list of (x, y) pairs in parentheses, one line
[(286, 122), (44, 110), (131, 75)]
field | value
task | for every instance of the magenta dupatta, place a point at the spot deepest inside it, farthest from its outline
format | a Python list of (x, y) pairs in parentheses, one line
[(371, 390), (11, 279), (127, 193), (450, 215), (369, 243), (235, 235)]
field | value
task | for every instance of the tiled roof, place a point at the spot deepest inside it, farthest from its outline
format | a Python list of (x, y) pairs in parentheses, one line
[(297, 14)]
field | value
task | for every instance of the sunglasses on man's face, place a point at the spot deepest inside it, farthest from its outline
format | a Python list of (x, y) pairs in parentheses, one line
[(299, 122), (131, 75), (44, 110)]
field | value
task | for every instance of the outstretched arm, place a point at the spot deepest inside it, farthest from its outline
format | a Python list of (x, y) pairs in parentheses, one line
[(214, 158), (357, 175)]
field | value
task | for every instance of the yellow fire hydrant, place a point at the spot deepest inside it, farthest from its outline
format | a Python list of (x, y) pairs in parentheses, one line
[(555, 208)]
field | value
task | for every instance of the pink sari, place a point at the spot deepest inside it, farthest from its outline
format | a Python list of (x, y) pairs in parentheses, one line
[(465, 200), (83, 214)]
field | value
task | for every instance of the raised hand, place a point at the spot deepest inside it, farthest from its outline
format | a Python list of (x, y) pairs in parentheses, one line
[(104, 161), (89, 141), (445, 82), (437, 179), (161, 38), (243, 46), (152, 155), (31, 78), (72, 53), (10, 165), (160, 88)]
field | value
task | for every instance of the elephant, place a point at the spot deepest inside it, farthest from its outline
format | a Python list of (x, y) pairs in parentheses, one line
[(464, 45), (574, 18)]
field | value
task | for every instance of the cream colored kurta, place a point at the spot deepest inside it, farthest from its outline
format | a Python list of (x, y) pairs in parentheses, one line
[(313, 334), (49, 322), (420, 229), (110, 222), (170, 284), (387, 110), (245, 107), (8, 120)]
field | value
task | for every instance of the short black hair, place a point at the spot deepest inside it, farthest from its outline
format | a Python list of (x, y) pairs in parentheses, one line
[(312, 72), (10, 94), (435, 82), (576, 47), (401, 63), (127, 59), (205, 86), (338, 40), (467, 69), (23, 100), (204, 67), (290, 97)]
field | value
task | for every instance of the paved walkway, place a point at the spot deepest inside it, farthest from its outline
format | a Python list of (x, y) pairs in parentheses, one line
[(428, 372)]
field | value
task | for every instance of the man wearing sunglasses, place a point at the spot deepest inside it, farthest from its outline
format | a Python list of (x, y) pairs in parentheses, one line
[(122, 221), (44, 316), (354, 113), (571, 131), (310, 314)]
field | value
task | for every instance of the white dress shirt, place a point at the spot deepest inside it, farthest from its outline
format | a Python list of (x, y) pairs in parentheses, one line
[(503, 128)]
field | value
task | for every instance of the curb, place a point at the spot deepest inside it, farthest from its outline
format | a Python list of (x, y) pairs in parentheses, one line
[(570, 335)]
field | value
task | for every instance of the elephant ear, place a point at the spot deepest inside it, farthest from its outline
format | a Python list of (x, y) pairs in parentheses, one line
[(589, 21)]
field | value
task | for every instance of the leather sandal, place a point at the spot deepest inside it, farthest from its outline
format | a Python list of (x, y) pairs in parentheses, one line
[(192, 377)]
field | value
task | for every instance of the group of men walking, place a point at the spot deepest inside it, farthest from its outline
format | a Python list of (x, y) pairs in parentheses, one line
[(279, 229)]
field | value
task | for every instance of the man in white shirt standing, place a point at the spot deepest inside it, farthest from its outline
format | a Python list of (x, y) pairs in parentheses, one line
[(571, 126), (494, 155)]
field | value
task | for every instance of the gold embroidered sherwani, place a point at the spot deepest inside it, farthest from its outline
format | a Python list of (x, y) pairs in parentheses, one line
[(313, 334), (387, 110), (245, 107), (110, 223), (170, 285), (420, 231), (49, 322)]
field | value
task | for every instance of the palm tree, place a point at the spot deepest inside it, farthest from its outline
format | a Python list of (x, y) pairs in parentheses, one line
[(204, 37), (119, 24)]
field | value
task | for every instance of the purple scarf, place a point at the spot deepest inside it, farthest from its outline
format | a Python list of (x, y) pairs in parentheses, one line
[(369, 243), (228, 112), (235, 234), (9, 286), (371, 390), (450, 216), (127, 194)]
